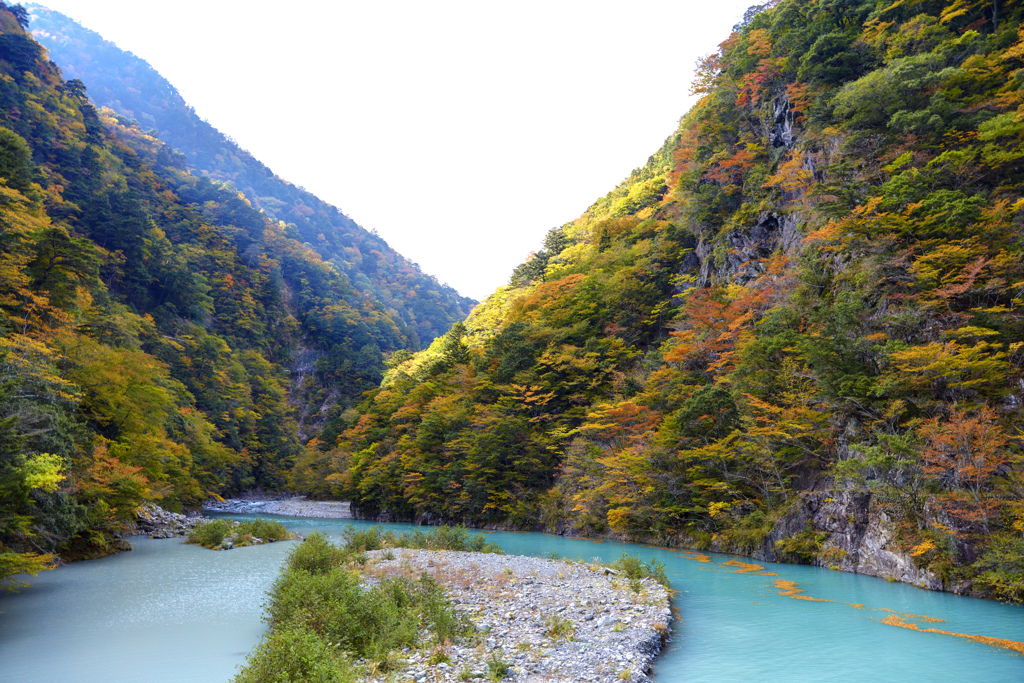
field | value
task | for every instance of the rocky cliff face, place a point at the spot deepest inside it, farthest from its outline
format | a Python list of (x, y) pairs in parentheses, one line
[(311, 414), (845, 531), (841, 529), (853, 535), (742, 262), (156, 522)]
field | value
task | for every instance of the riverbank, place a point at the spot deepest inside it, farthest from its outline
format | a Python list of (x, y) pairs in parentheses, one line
[(850, 535), (292, 506), (733, 623), (858, 539), (155, 522), (547, 620)]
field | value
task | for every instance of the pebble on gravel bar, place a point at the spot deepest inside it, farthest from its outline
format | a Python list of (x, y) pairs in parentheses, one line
[(607, 632)]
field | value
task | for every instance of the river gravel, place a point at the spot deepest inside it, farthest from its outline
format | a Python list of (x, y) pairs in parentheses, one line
[(613, 634), (292, 506)]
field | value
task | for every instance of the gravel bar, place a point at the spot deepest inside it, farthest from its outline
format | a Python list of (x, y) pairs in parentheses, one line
[(614, 633), (296, 506)]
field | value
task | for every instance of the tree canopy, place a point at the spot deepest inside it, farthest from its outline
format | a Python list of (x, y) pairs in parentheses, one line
[(814, 284)]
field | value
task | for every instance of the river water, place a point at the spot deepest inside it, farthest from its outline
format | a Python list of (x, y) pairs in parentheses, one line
[(169, 612)]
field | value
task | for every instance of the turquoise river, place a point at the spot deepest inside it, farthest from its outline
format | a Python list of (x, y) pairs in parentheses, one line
[(170, 612)]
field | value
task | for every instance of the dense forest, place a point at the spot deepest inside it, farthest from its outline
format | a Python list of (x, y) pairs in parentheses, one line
[(793, 334), (153, 324), (421, 306), (797, 326)]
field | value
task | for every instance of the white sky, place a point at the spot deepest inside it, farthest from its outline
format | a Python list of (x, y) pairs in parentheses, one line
[(460, 130)]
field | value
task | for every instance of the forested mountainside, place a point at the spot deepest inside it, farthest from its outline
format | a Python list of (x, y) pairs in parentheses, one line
[(422, 307), (148, 322), (795, 333)]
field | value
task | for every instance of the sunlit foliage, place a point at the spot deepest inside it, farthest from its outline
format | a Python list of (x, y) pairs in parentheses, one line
[(815, 282)]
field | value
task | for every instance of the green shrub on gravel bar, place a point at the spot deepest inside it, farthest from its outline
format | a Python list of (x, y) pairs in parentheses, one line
[(322, 615), (267, 529), (448, 538), (634, 569), (225, 533), (291, 655), (369, 538), (438, 538), (210, 534), (317, 555), (364, 621)]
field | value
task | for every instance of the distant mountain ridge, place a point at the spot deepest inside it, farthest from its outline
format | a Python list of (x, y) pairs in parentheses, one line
[(131, 87)]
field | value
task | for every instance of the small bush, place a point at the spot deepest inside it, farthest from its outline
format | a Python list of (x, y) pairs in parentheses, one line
[(386, 620), (751, 530), (438, 538), (559, 628), (215, 532), (805, 546), (318, 600), (372, 538), (366, 622), (630, 565), (292, 654), (317, 555), (702, 540), (634, 569), (448, 538), (657, 572), (441, 618), (497, 667), (1002, 568), (210, 534), (267, 529)]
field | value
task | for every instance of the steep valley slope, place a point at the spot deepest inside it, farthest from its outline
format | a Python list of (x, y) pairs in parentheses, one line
[(795, 333)]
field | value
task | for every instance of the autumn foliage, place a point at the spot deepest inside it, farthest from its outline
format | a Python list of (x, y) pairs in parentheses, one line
[(826, 294), (148, 322), (812, 290)]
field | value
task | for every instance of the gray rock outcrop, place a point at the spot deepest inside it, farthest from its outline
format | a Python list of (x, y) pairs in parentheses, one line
[(155, 522), (858, 537)]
